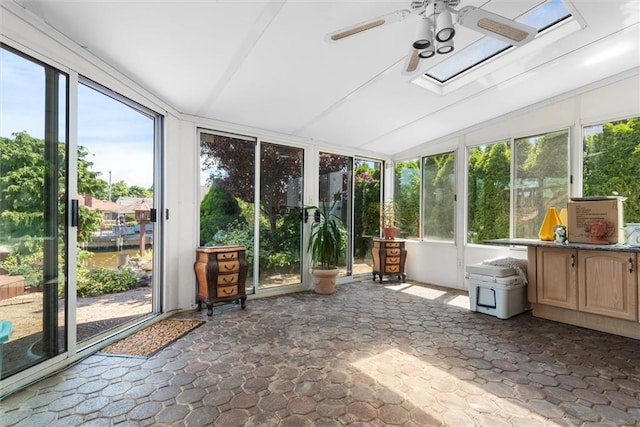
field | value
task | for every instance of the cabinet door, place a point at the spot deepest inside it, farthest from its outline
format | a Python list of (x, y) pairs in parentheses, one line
[(607, 284), (556, 277)]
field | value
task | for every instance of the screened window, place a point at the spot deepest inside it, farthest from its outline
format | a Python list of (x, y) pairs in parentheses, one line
[(438, 197), (541, 180), (407, 198), (488, 192), (611, 163)]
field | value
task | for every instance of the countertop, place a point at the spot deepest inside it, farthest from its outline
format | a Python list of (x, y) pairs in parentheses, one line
[(618, 247)]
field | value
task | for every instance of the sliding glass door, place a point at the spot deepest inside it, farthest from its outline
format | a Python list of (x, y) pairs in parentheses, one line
[(78, 237), (33, 152), (281, 178), (366, 212), (117, 211)]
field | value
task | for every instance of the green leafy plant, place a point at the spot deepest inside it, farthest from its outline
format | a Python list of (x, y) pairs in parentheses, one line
[(103, 281), (388, 215), (326, 237)]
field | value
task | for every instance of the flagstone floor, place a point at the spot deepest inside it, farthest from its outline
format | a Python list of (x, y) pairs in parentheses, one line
[(370, 355)]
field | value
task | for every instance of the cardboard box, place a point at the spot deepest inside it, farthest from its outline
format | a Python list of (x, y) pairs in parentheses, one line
[(588, 214)]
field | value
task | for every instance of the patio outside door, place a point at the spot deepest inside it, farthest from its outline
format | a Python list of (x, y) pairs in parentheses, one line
[(33, 149), (116, 141), (281, 182)]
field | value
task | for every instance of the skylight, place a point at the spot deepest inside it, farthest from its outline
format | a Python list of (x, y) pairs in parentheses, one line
[(543, 17)]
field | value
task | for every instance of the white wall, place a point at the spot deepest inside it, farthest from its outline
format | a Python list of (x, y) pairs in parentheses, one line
[(443, 264)]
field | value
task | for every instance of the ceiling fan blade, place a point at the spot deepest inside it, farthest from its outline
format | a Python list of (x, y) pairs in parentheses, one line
[(389, 18), (496, 26), (413, 60)]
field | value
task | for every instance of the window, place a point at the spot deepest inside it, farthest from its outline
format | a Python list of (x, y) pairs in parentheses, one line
[(407, 198), (611, 163), (489, 177), (541, 180), (438, 197)]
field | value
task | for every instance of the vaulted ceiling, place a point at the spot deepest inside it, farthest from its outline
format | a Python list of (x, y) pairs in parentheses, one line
[(266, 64)]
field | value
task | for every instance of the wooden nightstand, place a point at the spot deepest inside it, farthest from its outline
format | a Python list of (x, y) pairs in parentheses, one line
[(388, 258), (221, 272)]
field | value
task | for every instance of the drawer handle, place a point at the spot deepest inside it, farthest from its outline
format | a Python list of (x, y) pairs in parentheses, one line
[(228, 279), (227, 291), (229, 267), (630, 265), (573, 260)]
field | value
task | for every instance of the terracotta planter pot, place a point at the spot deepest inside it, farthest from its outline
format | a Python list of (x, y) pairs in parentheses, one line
[(324, 280), (389, 233)]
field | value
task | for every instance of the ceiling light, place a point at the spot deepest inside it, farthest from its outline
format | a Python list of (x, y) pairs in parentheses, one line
[(427, 53), (444, 25), (445, 47), (424, 34)]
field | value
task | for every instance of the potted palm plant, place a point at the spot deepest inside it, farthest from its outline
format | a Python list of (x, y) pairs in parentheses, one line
[(389, 220), (325, 247)]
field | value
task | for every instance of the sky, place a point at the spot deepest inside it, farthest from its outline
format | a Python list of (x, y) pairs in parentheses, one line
[(119, 139)]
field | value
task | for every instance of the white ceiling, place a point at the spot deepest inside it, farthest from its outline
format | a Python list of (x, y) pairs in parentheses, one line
[(265, 64)]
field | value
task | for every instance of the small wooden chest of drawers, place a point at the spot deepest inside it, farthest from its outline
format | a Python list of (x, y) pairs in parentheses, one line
[(221, 273), (389, 258)]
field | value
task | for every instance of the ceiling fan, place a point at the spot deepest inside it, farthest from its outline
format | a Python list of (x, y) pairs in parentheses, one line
[(435, 29)]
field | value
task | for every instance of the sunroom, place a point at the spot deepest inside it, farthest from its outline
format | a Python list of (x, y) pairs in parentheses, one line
[(134, 133)]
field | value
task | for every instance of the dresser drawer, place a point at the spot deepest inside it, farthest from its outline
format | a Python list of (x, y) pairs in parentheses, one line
[(393, 260), (391, 252), (222, 256), (229, 266), (227, 291), (228, 279), (392, 244), (392, 268)]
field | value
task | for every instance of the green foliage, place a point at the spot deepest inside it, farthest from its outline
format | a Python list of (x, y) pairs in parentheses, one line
[(439, 196), (218, 210), (407, 198), (488, 196), (366, 205), (611, 164), (326, 237), (88, 223), (104, 281), (24, 170)]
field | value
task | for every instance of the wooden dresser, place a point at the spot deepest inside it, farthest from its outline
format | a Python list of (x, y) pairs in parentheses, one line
[(389, 258), (221, 273)]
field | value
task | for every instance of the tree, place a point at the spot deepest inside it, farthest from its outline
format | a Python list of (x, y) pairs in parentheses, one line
[(407, 197), (22, 177), (138, 191), (612, 163), (217, 211), (489, 180)]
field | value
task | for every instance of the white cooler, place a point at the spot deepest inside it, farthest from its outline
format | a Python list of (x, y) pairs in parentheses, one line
[(498, 291)]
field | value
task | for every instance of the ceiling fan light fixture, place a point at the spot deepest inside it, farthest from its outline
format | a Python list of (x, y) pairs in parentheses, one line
[(427, 53), (445, 47), (424, 34), (496, 26), (444, 26), (504, 30)]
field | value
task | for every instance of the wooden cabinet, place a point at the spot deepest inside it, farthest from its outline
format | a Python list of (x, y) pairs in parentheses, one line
[(389, 258), (556, 277), (221, 273), (607, 284)]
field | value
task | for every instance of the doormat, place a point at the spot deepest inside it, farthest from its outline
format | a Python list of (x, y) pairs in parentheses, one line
[(150, 340)]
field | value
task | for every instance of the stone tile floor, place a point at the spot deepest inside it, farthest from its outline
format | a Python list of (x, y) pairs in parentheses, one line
[(370, 355)]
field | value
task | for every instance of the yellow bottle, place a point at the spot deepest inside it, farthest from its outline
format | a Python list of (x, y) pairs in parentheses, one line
[(551, 219)]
